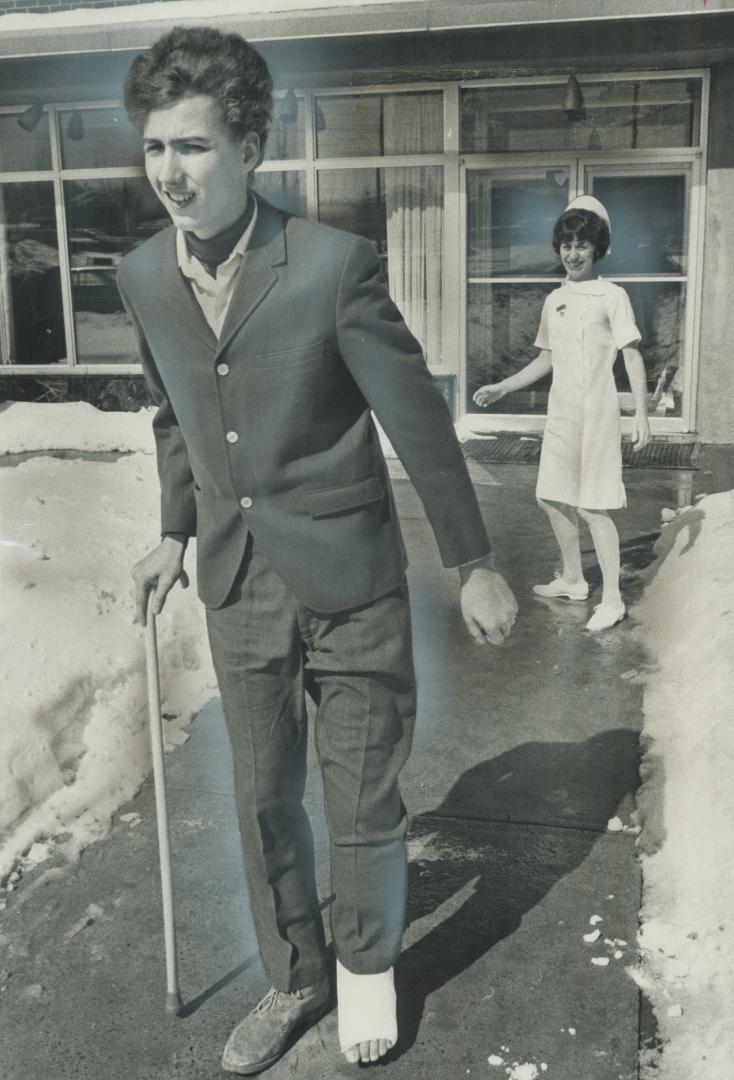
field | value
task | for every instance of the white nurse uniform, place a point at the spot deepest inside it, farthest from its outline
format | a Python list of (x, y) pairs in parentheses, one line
[(584, 324)]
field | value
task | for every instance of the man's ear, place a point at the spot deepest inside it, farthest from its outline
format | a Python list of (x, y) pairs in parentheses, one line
[(251, 153)]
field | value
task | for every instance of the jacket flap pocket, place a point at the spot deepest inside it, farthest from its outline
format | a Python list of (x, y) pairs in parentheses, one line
[(345, 497)]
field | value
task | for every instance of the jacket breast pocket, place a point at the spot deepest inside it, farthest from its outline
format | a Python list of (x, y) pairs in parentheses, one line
[(327, 502), (295, 357)]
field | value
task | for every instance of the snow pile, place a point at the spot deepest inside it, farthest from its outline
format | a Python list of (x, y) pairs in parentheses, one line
[(687, 802), (73, 426), (73, 699)]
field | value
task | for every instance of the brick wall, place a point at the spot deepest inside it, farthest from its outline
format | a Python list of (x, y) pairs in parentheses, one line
[(37, 7)]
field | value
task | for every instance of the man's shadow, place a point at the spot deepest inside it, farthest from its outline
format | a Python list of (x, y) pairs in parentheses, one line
[(508, 830)]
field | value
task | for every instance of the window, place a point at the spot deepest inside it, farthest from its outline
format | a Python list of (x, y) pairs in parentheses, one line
[(458, 187), (614, 115), (31, 310)]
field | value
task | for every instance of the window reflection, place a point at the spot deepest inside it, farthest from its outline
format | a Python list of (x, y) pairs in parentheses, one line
[(649, 215), (401, 211), (619, 115), (287, 138), (659, 309), (31, 313), (24, 151), (371, 125), (286, 190), (510, 222), (106, 218), (98, 139), (502, 324)]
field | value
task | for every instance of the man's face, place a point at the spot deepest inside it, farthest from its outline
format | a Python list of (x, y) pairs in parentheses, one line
[(198, 171)]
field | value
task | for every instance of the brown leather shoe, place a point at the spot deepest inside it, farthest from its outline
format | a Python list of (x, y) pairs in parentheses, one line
[(262, 1037)]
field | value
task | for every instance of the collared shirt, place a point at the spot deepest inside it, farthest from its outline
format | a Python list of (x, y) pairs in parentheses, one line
[(213, 294)]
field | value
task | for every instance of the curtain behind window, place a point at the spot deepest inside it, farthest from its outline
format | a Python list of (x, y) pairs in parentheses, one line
[(414, 206)]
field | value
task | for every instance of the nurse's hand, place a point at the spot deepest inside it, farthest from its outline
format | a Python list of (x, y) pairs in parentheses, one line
[(488, 395), (487, 603), (640, 432)]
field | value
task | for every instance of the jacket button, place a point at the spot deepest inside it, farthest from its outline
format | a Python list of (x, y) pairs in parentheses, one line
[(222, 369), (246, 502), (232, 436)]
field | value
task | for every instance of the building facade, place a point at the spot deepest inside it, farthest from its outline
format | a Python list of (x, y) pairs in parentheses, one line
[(450, 134)]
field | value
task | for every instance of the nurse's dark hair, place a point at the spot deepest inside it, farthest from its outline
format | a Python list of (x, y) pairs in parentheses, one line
[(189, 61), (582, 225)]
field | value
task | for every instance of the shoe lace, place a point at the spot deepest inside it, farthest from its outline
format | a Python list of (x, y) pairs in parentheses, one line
[(271, 999), (268, 1002)]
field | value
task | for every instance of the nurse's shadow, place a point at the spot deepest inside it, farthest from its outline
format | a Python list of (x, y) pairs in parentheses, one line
[(481, 841)]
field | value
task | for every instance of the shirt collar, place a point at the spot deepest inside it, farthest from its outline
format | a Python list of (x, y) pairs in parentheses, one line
[(595, 287), (191, 268)]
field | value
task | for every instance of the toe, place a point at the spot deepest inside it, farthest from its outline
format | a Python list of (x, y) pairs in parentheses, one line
[(364, 1051), (383, 1046), (352, 1055)]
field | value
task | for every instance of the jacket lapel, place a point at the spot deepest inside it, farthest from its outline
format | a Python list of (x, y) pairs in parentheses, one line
[(256, 276), (185, 312)]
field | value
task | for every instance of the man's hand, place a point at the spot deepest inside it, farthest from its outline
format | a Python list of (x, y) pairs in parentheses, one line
[(487, 603), (158, 572)]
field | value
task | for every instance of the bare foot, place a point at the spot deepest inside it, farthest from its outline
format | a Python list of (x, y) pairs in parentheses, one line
[(367, 1051), (366, 1006)]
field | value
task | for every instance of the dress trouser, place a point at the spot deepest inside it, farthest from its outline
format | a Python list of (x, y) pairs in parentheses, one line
[(268, 650)]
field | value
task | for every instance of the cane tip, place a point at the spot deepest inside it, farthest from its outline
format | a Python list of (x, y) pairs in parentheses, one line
[(173, 1001)]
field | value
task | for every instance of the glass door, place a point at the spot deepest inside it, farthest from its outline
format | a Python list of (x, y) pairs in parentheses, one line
[(510, 269), (650, 210)]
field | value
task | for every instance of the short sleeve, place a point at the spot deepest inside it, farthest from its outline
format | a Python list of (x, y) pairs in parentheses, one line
[(542, 341), (622, 320)]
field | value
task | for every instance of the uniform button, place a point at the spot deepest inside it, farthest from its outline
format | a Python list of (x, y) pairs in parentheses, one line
[(232, 436), (246, 502), (222, 369)]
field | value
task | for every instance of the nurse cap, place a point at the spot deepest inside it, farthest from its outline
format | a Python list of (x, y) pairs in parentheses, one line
[(588, 202)]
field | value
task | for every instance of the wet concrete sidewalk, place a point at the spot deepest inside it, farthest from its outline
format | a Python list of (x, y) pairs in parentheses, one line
[(522, 756)]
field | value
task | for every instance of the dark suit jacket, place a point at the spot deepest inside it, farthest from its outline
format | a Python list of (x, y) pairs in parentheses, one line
[(312, 343)]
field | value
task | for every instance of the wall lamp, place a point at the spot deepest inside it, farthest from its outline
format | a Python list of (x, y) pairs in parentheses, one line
[(30, 119), (573, 102), (75, 127)]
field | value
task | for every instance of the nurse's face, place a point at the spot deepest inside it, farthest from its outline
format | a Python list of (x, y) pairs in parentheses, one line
[(196, 168), (577, 257)]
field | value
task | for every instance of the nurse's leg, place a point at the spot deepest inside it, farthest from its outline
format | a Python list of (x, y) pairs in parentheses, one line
[(606, 544), (565, 524)]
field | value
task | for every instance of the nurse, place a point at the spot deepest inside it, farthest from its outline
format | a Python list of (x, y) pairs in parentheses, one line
[(584, 324)]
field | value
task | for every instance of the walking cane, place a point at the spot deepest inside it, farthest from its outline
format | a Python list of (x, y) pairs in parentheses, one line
[(173, 994)]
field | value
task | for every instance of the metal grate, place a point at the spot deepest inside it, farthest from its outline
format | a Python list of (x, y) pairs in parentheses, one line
[(511, 449)]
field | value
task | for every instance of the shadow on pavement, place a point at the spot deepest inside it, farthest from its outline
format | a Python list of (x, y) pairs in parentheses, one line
[(507, 869)]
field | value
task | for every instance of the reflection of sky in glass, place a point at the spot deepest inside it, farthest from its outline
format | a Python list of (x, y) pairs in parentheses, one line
[(510, 226), (648, 215)]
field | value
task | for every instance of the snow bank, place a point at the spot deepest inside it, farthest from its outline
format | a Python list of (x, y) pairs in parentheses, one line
[(73, 704), (687, 801), (73, 426)]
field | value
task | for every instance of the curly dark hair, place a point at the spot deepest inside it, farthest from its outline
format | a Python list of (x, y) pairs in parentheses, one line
[(582, 225), (189, 61)]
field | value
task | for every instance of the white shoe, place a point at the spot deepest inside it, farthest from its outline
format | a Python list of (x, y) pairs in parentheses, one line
[(606, 616), (559, 588)]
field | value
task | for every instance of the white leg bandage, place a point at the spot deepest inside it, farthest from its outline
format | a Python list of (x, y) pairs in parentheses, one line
[(366, 1007)]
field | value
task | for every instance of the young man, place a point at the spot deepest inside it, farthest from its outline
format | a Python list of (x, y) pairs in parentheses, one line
[(267, 341)]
